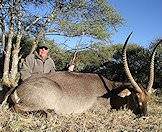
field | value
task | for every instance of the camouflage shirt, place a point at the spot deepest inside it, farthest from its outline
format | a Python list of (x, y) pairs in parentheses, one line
[(34, 64)]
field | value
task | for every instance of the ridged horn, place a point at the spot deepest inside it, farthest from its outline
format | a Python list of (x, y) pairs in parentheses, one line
[(151, 77), (126, 68)]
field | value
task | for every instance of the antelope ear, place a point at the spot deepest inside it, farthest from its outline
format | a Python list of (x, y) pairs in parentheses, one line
[(124, 93)]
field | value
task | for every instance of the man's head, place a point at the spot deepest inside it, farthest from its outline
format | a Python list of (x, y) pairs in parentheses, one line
[(43, 52)]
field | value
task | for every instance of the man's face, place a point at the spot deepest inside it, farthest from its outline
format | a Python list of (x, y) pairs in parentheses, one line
[(43, 52)]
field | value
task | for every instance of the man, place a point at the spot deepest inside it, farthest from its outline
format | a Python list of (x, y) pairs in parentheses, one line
[(37, 63)]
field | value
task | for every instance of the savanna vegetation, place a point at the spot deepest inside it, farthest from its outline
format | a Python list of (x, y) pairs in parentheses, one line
[(22, 29)]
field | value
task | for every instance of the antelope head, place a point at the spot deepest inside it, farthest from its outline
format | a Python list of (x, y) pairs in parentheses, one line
[(142, 94)]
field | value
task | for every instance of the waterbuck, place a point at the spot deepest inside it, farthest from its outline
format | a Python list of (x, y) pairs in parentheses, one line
[(70, 92)]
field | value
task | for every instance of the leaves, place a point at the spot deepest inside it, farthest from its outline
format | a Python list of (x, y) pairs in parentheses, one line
[(93, 18)]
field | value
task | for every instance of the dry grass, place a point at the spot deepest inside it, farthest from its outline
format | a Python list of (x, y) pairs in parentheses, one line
[(99, 119)]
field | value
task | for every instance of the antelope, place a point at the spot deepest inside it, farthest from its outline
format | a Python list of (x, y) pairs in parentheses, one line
[(72, 93)]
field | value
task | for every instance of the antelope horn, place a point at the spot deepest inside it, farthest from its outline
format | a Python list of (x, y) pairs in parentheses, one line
[(151, 78), (126, 68)]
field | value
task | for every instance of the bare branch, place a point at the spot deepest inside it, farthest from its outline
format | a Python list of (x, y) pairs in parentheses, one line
[(40, 34), (35, 21)]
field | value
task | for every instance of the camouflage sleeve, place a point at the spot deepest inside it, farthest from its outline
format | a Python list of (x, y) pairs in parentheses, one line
[(27, 66), (53, 69)]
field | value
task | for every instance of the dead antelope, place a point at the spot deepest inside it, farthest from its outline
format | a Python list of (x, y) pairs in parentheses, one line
[(70, 92)]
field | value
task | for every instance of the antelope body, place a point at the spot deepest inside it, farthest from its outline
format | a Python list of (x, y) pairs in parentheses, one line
[(66, 92), (70, 92)]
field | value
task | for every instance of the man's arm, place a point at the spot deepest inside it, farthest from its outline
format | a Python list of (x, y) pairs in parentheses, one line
[(53, 68), (26, 69)]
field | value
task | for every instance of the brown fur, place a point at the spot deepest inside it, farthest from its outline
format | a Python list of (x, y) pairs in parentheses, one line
[(68, 92)]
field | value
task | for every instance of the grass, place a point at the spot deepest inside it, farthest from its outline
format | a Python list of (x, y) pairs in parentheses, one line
[(99, 119)]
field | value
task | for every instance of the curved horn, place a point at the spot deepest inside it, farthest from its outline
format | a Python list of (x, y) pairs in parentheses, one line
[(126, 68), (151, 78)]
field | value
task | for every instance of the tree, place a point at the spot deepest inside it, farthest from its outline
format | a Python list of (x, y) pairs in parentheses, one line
[(68, 18), (78, 17), (107, 60)]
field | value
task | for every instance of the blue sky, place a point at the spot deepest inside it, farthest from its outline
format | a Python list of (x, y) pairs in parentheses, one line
[(143, 17)]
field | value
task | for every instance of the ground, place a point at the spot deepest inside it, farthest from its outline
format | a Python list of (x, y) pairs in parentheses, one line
[(99, 118)]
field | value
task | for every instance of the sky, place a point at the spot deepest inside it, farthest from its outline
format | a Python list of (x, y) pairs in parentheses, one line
[(143, 17)]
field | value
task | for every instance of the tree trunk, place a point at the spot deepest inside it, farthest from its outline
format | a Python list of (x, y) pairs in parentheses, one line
[(14, 77), (2, 23), (6, 69)]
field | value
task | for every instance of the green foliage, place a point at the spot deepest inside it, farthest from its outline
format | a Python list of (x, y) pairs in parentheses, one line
[(138, 60), (94, 18), (87, 61), (107, 60), (60, 57)]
